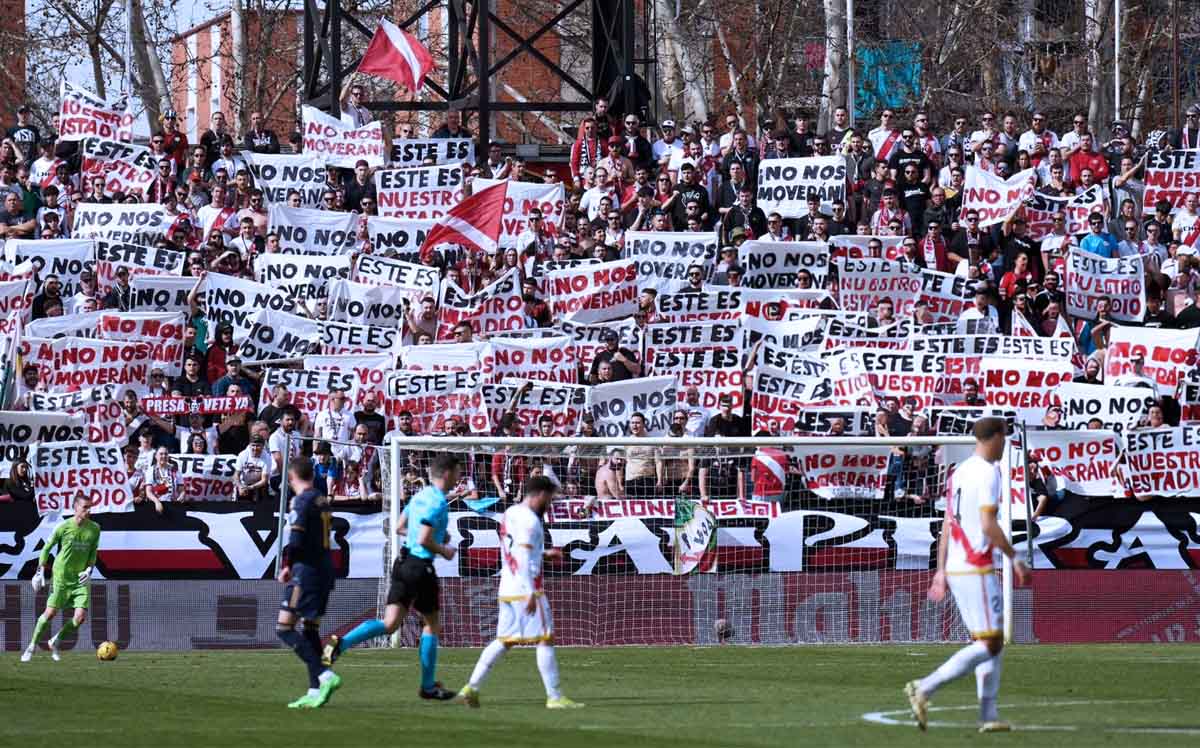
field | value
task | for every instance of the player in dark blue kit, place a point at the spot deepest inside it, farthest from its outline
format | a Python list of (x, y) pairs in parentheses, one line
[(307, 570)]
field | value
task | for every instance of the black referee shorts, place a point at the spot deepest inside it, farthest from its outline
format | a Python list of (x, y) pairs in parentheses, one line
[(414, 585)]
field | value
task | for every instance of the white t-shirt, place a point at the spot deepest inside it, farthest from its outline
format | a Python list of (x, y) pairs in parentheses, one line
[(1030, 140), (973, 322), (253, 467), (334, 425), (976, 489), (521, 545), (278, 441), (661, 148)]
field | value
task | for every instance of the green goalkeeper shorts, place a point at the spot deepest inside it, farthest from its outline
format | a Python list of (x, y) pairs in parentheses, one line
[(69, 595)]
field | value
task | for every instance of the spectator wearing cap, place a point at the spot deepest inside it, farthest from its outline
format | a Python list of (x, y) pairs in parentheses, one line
[(24, 135), (88, 291), (120, 296), (622, 362), (666, 146), (233, 375)]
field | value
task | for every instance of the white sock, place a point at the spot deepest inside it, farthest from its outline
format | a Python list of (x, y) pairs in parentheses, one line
[(314, 692), (958, 665), (548, 667), (490, 655), (325, 676), (987, 682)]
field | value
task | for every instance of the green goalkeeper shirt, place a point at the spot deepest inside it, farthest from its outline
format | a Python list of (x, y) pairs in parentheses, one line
[(76, 545)]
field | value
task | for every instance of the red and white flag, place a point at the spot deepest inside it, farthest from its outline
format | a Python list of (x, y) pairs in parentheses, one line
[(396, 55), (475, 222)]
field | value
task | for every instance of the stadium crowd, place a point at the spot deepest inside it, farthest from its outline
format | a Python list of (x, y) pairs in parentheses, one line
[(905, 185)]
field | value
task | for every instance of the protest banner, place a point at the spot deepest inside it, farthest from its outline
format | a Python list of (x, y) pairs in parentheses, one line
[(304, 231), (1082, 462), (161, 293), (20, 429), (204, 405), (538, 269), (1088, 278), (163, 330), (946, 295), (278, 335), (309, 387), (421, 192), (613, 403), (784, 184), (593, 293), (400, 238), (1041, 209), (126, 168), (548, 359), (995, 198), (1170, 176), (1163, 462), (62, 469), (586, 337), (863, 283), (16, 300), (448, 357), (856, 246), (337, 144), (531, 400), (140, 223), (79, 325), (711, 305), (368, 372), (768, 264), (780, 394), (137, 259), (855, 421), (712, 372), (1026, 387), (805, 334), (278, 174), (1118, 408), (665, 337), (82, 113), (433, 397), (235, 301), (1169, 354), (495, 308), (959, 420), (66, 258), (521, 198), (993, 345), (368, 304), (419, 151), (347, 338), (303, 278), (663, 258), (417, 281), (75, 363), (923, 377), (1189, 398), (98, 406), (844, 472), (841, 334), (207, 477)]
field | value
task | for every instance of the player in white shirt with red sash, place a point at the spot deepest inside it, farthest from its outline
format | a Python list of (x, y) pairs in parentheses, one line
[(524, 611), (970, 536)]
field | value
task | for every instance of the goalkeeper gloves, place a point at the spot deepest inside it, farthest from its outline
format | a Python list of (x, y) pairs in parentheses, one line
[(39, 581), (85, 575)]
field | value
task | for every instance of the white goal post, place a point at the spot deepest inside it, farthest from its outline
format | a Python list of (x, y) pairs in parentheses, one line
[(842, 552)]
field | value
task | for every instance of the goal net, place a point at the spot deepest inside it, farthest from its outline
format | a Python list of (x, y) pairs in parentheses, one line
[(670, 541)]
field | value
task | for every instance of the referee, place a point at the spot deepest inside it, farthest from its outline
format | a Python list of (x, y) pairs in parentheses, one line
[(414, 582)]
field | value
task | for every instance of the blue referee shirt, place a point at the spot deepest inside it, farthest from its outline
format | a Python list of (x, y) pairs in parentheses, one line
[(428, 507)]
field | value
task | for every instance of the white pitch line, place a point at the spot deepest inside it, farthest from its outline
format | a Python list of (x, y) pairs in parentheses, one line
[(888, 718)]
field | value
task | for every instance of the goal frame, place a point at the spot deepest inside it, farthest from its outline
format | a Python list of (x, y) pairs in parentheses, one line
[(397, 444)]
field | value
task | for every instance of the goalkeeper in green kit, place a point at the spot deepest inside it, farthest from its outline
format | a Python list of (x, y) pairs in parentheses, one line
[(77, 540)]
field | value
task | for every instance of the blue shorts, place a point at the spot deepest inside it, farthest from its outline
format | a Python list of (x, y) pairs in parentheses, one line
[(307, 595)]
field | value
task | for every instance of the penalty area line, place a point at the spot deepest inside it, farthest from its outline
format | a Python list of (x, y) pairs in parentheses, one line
[(903, 718)]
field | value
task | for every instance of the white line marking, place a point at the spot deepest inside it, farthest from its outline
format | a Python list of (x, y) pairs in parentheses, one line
[(889, 718)]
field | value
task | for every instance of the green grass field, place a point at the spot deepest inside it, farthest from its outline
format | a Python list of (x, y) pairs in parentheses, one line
[(688, 697)]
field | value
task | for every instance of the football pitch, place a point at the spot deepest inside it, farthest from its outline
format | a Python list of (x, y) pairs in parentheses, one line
[(687, 697)]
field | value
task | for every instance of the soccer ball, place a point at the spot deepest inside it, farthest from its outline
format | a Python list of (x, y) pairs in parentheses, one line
[(723, 630), (107, 651)]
